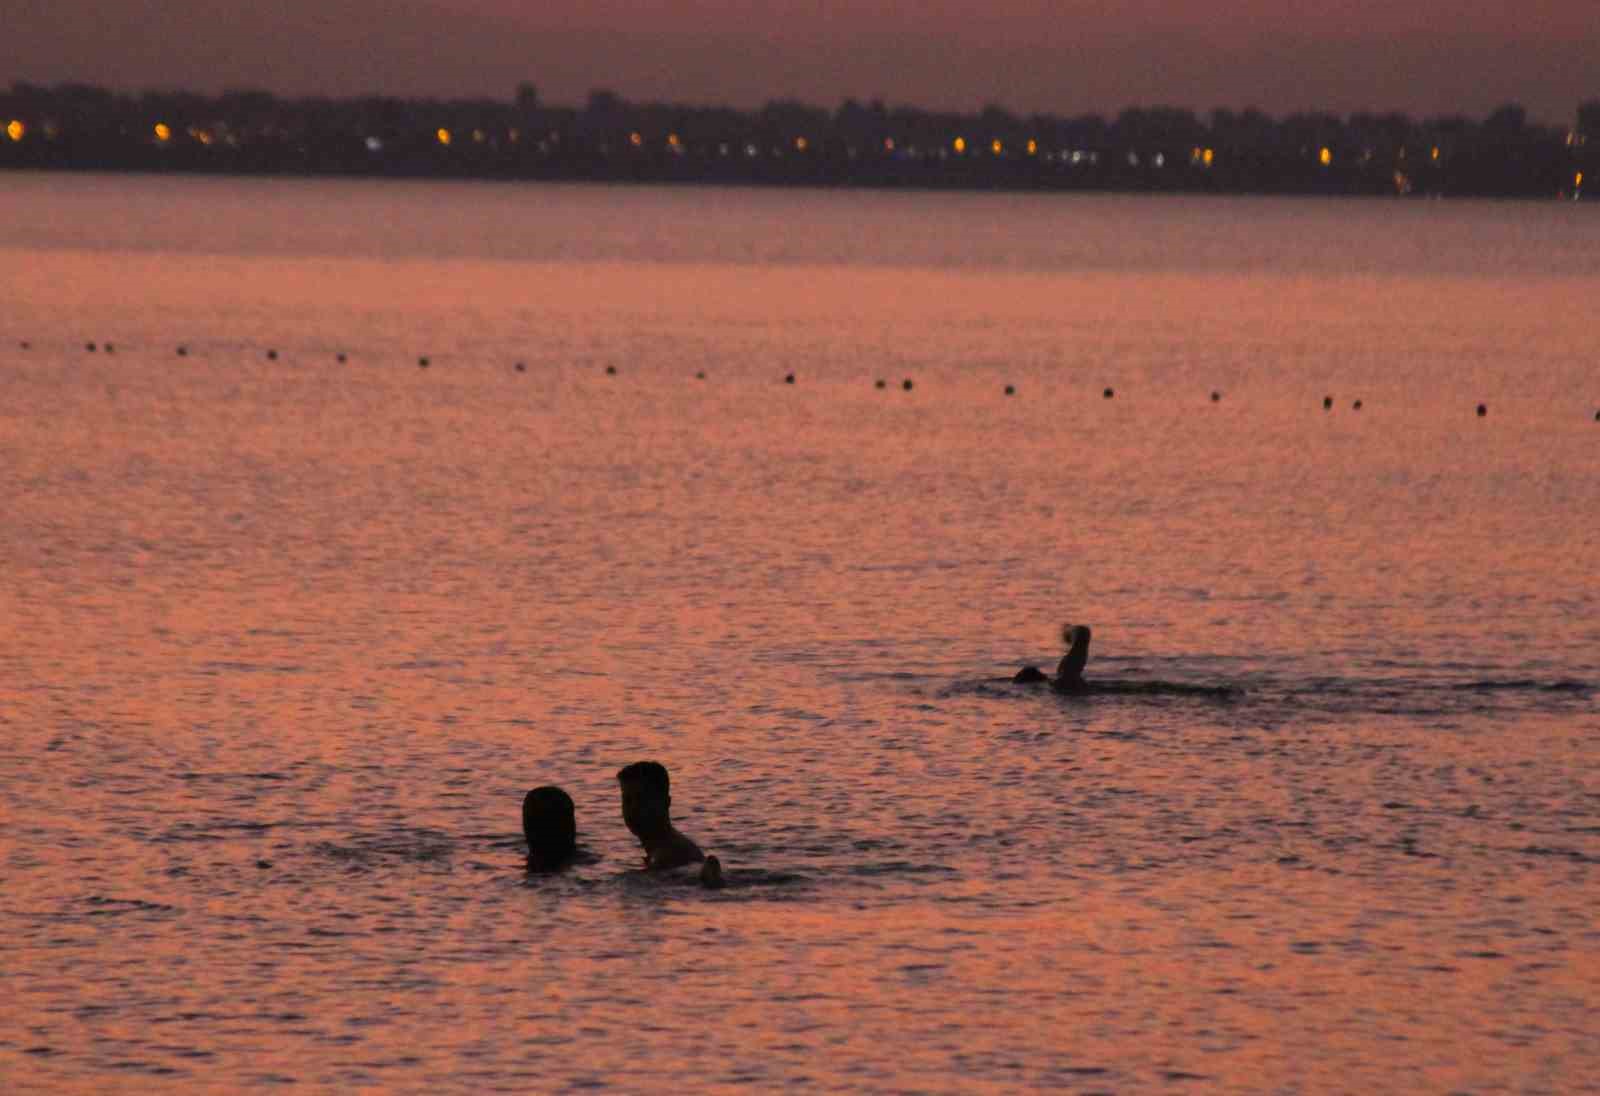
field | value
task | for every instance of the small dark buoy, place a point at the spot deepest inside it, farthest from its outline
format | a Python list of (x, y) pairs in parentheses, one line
[(263, 863), (788, 378), (1327, 403), (272, 355), (881, 383), (111, 348), (611, 371), (1108, 393), (1011, 390), (1356, 406), (1597, 416), (521, 367), (1216, 397), (341, 357), (90, 347), (1483, 409), (906, 384), (183, 351), (424, 361), (26, 345), (700, 375)]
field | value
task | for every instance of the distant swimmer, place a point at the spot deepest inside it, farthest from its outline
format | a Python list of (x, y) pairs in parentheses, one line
[(647, 812), (1069, 672), (550, 823)]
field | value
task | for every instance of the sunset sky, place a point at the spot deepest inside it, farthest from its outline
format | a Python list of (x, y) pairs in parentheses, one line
[(1066, 56)]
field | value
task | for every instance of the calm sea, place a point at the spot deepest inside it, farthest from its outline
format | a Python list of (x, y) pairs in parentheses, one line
[(284, 639)]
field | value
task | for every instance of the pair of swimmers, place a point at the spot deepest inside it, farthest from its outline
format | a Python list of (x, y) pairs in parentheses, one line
[(1069, 673), (549, 821)]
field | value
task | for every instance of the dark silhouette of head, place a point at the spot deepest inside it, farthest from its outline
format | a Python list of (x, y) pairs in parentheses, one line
[(646, 799), (550, 823)]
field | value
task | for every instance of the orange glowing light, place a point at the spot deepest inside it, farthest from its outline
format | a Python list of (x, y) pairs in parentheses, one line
[(674, 141), (444, 136), (1033, 148), (1577, 180), (163, 132), (16, 130), (1325, 157), (888, 144), (995, 146), (1435, 153), (1208, 156), (959, 144), (800, 144), (636, 139)]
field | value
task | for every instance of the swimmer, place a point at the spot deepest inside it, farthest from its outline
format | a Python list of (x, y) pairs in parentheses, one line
[(549, 821), (1069, 672), (646, 810)]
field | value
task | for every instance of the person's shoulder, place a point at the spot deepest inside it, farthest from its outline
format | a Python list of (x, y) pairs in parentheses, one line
[(676, 851)]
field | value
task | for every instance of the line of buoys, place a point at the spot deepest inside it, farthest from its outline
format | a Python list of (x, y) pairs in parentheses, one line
[(424, 361)]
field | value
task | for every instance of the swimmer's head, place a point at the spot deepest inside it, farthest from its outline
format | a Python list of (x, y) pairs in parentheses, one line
[(550, 823), (646, 798)]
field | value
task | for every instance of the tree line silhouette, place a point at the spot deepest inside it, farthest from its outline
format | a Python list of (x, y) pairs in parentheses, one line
[(81, 127)]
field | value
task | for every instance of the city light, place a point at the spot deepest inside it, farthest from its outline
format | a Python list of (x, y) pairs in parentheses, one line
[(1033, 147), (959, 144), (800, 144), (163, 132), (636, 139), (16, 130), (995, 146), (888, 144), (1325, 157), (1435, 154), (444, 137)]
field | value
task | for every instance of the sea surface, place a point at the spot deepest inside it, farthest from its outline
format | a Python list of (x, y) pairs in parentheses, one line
[(284, 639)]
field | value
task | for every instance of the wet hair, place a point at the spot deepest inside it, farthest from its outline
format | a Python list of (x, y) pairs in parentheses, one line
[(550, 823), (651, 774)]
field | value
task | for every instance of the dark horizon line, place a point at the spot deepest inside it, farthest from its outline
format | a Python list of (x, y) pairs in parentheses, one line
[(527, 96), (787, 142)]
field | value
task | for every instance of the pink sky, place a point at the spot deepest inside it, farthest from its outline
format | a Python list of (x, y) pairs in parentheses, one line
[(1066, 56)]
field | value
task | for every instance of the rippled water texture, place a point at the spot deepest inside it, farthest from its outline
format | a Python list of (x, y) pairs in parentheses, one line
[(283, 642)]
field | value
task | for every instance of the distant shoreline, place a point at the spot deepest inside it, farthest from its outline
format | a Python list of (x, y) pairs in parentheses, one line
[(1143, 150)]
